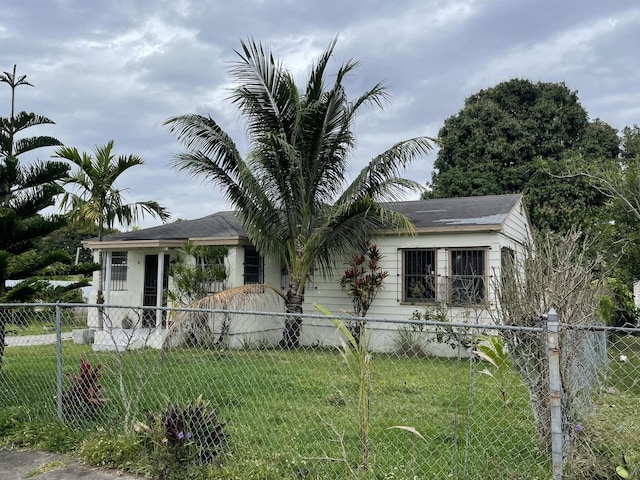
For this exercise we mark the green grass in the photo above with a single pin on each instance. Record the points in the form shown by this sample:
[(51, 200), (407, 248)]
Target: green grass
[(38, 322), (285, 412)]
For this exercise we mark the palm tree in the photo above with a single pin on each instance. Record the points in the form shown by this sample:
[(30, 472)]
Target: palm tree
[(290, 190), (95, 202)]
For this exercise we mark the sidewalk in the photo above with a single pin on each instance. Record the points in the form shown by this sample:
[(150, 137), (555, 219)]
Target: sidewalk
[(20, 464)]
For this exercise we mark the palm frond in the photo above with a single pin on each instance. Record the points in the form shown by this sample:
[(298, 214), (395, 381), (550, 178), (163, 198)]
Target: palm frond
[(203, 136), (344, 227), (267, 94), (380, 179), (315, 85)]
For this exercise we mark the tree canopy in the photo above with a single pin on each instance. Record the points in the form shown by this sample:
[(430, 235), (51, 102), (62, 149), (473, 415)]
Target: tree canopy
[(520, 137), (25, 191), (290, 190)]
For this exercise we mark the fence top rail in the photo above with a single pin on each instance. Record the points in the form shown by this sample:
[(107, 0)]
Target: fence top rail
[(316, 316), (600, 328)]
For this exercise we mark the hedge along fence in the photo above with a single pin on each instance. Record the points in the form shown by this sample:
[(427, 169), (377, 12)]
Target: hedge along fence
[(443, 400)]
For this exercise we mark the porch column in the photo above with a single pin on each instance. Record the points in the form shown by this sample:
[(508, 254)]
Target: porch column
[(159, 291), (106, 259)]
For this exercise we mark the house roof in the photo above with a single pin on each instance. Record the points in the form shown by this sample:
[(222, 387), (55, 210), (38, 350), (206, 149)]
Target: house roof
[(437, 215), (218, 228), (447, 214)]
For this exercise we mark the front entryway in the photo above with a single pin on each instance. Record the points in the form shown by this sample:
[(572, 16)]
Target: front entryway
[(150, 295)]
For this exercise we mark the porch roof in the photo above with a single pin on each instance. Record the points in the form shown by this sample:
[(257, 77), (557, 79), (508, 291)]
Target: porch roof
[(220, 228)]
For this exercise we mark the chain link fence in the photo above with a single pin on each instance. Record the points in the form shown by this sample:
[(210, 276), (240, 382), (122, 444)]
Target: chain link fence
[(409, 400)]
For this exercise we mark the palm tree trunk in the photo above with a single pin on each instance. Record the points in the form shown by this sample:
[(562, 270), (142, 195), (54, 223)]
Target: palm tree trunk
[(100, 298), (293, 321)]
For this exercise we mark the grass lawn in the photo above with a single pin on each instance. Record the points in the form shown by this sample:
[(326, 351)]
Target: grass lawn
[(288, 413), (39, 321), (293, 414)]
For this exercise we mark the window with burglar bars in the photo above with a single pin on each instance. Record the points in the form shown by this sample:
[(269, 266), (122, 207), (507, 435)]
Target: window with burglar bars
[(253, 266), (419, 276), (118, 270), (468, 276)]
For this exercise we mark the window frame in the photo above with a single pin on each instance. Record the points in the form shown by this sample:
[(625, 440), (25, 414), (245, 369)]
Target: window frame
[(119, 270), (259, 266), (410, 273), (460, 284)]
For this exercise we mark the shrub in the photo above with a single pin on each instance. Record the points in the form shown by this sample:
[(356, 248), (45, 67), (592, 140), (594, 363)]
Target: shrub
[(411, 341), (84, 397), (184, 435)]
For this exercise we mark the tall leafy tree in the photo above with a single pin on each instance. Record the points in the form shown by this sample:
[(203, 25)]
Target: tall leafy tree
[(290, 190), (25, 191), (94, 202), (520, 137), (630, 142)]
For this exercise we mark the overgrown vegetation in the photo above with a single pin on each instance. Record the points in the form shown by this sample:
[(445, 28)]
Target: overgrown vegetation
[(355, 352), (556, 272), (180, 436)]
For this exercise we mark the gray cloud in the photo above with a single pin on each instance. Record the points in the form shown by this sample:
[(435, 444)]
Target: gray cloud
[(117, 69)]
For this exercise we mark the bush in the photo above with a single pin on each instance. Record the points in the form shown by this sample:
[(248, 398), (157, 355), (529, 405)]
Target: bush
[(184, 435), (84, 397), (411, 341)]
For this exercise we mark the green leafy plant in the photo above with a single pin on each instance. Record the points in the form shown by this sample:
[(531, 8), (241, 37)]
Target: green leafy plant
[(492, 349), (629, 468), (84, 397), (362, 281), (358, 359), (455, 337), (195, 271), (411, 341), (184, 435)]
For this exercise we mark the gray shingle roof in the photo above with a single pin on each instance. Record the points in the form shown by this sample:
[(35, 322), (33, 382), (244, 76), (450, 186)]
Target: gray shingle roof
[(437, 213), (221, 224), (458, 212)]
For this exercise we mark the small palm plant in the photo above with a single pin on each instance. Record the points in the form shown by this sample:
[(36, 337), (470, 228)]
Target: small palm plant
[(492, 349), (357, 357)]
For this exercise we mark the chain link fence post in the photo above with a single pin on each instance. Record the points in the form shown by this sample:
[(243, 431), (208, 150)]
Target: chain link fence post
[(59, 361), (555, 393)]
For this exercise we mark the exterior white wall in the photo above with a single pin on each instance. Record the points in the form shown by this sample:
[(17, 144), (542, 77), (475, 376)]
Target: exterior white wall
[(389, 303)]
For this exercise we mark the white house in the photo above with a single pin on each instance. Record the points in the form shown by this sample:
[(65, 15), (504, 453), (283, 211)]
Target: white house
[(459, 247)]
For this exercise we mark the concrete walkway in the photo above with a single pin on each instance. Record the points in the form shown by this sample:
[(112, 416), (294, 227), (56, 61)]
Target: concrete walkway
[(20, 464), (28, 340)]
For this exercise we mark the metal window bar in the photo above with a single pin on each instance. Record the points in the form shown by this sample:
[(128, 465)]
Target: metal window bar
[(119, 261), (210, 284), (468, 277), (419, 276)]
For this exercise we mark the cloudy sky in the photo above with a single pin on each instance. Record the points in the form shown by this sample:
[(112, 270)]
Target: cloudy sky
[(117, 69)]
